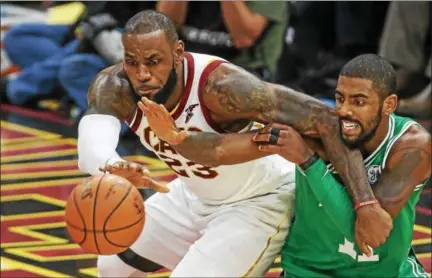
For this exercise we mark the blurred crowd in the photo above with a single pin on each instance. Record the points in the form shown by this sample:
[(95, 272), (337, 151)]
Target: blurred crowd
[(302, 44)]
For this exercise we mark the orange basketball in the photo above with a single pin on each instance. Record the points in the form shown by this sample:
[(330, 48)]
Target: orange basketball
[(105, 214)]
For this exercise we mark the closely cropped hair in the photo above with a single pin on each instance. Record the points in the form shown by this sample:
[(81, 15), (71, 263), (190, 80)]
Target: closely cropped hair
[(149, 21), (374, 68)]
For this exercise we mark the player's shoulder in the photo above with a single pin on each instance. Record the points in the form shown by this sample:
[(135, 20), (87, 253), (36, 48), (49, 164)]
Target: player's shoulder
[(415, 136), (206, 65), (112, 79), (111, 93), (204, 58), (415, 144)]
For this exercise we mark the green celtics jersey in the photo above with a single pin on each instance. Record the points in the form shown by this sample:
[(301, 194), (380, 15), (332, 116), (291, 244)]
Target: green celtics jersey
[(316, 247)]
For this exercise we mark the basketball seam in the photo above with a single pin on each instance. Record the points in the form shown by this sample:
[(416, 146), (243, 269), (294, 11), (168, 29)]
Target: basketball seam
[(94, 214), (101, 231), (106, 220), (82, 218)]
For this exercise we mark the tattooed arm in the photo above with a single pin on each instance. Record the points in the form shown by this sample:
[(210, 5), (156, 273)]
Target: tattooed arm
[(408, 166), (111, 100), (232, 93), (99, 129), (205, 148), (109, 94), (219, 149)]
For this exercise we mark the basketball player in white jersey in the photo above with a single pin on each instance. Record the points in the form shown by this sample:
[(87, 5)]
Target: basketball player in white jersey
[(229, 216)]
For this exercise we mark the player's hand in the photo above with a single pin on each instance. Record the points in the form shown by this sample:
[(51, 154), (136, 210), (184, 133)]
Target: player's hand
[(373, 226), (136, 174), (161, 122), (286, 142)]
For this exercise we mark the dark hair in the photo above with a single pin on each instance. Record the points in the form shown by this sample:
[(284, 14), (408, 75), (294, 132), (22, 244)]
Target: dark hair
[(149, 21), (374, 68)]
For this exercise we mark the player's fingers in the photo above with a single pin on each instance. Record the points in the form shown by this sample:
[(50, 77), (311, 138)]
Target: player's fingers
[(165, 114), (119, 165), (283, 141), (374, 243), (144, 171), (365, 249), (269, 148), (281, 126), (145, 101), (150, 183), (143, 107), (181, 136), (265, 129), (133, 167), (285, 134), (147, 105), (362, 245), (154, 107), (105, 168), (264, 138), (148, 110)]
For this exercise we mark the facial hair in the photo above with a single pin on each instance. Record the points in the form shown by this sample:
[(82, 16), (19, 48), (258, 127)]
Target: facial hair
[(363, 137), (165, 92)]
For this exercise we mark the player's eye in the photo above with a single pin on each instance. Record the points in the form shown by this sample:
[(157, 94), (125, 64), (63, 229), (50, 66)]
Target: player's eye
[(360, 102), (153, 62), (131, 62)]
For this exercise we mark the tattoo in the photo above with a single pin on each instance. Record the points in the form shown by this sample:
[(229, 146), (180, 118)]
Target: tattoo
[(239, 94), (396, 184), (201, 148), (111, 95)]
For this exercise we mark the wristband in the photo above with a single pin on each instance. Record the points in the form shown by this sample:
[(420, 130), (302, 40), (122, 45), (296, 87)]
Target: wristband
[(309, 162), (366, 203)]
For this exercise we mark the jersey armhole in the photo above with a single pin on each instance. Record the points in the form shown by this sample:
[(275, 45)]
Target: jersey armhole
[(393, 141), (203, 78)]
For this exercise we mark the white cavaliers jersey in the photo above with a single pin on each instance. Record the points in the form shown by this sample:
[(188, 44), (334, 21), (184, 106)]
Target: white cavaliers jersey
[(213, 185)]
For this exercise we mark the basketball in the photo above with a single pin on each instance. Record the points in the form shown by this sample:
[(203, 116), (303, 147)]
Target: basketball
[(105, 214)]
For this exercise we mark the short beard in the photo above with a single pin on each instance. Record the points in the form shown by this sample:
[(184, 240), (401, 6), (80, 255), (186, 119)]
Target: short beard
[(364, 138), (166, 91)]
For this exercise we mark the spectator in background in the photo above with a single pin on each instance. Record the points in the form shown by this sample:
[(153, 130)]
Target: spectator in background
[(57, 57), (406, 43), (247, 33), (327, 35), (38, 48), (100, 46)]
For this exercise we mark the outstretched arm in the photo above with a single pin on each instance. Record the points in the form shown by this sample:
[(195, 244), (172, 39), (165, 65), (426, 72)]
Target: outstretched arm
[(235, 94), (205, 148), (110, 101)]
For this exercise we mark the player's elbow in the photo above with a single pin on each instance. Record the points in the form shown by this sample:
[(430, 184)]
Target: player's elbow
[(215, 159), (219, 156)]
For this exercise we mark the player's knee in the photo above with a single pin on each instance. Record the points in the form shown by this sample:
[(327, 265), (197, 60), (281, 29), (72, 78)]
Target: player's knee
[(112, 266)]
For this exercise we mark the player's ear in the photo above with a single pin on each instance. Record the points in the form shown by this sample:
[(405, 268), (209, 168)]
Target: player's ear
[(178, 51), (390, 104)]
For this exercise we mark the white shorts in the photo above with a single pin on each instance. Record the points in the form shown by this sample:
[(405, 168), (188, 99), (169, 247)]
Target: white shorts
[(198, 240)]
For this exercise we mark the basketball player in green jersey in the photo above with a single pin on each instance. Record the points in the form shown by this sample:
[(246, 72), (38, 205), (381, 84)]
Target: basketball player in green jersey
[(397, 153)]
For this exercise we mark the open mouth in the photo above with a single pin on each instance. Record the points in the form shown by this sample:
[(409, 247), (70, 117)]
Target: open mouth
[(349, 127)]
